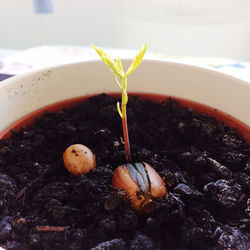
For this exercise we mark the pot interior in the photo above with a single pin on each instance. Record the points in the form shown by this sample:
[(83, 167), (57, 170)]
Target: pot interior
[(27, 120)]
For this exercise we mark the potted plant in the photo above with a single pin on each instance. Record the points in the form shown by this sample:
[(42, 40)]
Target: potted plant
[(201, 164)]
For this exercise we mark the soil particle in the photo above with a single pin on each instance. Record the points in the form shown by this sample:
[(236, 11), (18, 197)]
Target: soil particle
[(143, 242), (224, 193), (247, 167), (66, 128), (114, 199), (234, 159), (169, 210), (188, 192), (193, 162), (12, 245), (233, 238), (205, 178), (196, 236), (245, 225), (244, 180), (108, 225), (5, 227), (8, 189), (173, 178), (204, 164), (218, 168), (128, 221), (247, 211), (231, 140), (115, 244)]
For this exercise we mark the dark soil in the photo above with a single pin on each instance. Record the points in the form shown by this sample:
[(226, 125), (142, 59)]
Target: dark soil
[(205, 165)]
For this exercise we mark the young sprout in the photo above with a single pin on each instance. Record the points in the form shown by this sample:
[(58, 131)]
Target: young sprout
[(139, 180), (117, 69)]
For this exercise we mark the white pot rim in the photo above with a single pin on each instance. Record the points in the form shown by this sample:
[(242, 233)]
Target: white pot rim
[(126, 60), (23, 94)]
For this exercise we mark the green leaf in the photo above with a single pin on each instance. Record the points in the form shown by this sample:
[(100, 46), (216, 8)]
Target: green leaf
[(108, 61), (137, 60), (119, 64)]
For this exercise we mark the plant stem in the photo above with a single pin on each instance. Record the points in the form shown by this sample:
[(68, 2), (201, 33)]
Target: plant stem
[(124, 120), (126, 139)]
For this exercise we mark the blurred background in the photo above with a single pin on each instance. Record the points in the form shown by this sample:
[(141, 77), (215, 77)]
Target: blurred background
[(172, 28)]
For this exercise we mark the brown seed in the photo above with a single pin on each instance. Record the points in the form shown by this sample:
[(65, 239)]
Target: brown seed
[(79, 159), (123, 180), (157, 185), (140, 201)]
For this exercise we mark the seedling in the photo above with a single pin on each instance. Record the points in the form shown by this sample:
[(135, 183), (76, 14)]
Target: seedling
[(117, 69), (139, 180)]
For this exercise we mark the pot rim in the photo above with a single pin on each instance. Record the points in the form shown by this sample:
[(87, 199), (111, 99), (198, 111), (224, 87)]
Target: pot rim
[(171, 83), (126, 60)]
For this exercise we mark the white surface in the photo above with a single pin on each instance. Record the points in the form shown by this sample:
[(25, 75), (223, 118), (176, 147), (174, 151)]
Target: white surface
[(4, 53), (23, 94), (215, 28)]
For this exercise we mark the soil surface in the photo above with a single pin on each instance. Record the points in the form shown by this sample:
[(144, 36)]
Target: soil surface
[(205, 165)]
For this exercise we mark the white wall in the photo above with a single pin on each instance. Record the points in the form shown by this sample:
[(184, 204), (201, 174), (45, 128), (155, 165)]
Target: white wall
[(190, 27), (73, 22), (218, 28)]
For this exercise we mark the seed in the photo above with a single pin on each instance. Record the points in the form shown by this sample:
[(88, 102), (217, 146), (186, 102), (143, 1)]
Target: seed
[(141, 183), (79, 159)]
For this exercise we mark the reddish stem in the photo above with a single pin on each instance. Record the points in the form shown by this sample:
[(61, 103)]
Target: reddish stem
[(126, 138)]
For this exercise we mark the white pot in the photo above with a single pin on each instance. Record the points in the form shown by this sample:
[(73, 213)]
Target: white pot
[(24, 94)]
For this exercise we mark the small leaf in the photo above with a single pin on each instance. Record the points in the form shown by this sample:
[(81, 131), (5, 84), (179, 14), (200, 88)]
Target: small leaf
[(108, 61), (137, 60), (102, 53), (119, 109), (119, 64), (112, 66)]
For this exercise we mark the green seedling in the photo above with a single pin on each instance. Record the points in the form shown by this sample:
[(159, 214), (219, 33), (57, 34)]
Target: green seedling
[(121, 79)]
